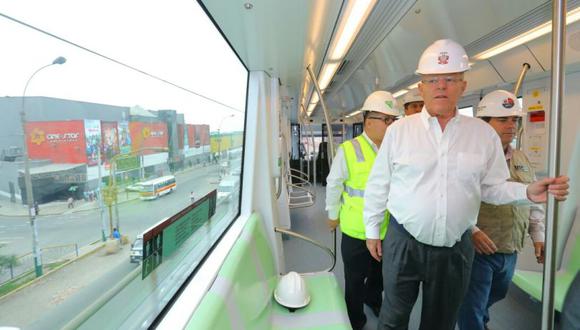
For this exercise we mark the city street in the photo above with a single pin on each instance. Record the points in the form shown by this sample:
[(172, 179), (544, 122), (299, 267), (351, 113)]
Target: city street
[(58, 297), (84, 227)]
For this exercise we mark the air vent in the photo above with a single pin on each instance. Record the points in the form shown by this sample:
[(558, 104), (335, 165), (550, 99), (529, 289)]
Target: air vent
[(342, 66)]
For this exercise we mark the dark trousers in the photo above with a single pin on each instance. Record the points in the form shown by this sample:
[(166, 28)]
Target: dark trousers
[(491, 276), (362, 279), (444, 273)]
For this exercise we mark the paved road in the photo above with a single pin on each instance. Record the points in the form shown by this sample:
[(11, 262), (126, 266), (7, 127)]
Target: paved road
[(85, 227), (57, 298)]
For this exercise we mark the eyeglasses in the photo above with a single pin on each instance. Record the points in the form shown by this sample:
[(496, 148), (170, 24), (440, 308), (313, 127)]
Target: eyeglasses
[(387, 119), (435, 80)]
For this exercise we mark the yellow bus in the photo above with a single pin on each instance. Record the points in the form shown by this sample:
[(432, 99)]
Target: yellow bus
[(152, 189)]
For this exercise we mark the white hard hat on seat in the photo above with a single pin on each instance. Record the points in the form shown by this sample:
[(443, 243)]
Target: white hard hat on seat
[(443, 56), (383, 102), (499, 103), (291, 291), (412, 96)]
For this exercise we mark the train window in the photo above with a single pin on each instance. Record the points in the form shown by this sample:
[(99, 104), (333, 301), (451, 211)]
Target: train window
[(116, 136)]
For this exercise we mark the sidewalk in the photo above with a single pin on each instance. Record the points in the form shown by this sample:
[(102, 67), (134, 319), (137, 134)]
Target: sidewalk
[(51, 299), (9, 209)]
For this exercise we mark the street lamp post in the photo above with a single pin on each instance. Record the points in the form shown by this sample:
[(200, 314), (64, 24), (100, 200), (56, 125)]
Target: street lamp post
[(220, 142), (27, 179)]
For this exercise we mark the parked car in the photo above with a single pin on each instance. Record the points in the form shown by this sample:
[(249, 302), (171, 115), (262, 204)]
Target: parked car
[(136, 254)]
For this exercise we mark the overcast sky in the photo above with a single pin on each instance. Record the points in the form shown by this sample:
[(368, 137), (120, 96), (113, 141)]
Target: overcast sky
[(173, 40)]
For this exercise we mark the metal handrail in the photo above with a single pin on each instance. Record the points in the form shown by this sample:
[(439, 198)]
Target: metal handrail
[(310, 240), (525, 68)]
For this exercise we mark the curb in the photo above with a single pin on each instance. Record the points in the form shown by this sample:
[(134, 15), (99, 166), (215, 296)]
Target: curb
[(65, 212), (34, 281)]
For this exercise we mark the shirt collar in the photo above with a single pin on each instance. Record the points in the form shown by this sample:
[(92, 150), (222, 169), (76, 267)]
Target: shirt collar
[(427, 119), (509, 152), (373, 145)]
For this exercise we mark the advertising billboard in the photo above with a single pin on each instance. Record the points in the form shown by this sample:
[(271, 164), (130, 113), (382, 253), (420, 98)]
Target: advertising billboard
[(61, 142), (93, 141), (191, 136), (124, 137), (203, 134), (148, 135), (110, 140)]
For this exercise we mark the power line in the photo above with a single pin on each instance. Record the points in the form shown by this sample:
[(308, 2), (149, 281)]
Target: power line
[(118, 62)]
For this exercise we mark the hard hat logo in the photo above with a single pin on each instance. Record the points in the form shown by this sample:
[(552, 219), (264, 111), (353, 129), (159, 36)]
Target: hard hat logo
[(443, 58), (389, 104), (508, 103)]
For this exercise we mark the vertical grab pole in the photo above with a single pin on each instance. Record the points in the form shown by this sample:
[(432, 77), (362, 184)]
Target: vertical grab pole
[(326, 116), (525, 68), (556, 95), (330, 142)]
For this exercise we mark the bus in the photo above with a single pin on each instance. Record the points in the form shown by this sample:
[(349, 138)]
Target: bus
[(155, 188)]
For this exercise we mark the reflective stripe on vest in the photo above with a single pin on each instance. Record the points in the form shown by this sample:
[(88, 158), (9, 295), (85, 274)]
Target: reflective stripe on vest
[(358, 151), (360, 157), (352, 192)]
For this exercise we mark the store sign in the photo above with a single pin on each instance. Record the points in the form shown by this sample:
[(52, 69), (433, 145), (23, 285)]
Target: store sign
[(59, 141)]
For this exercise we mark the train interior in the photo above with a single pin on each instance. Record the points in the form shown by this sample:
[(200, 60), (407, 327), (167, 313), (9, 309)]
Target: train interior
[(276, 222)]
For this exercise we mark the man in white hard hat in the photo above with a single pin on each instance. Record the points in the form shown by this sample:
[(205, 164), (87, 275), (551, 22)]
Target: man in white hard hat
[(432, 172), (413, 102), (344, 203), (501, 230)]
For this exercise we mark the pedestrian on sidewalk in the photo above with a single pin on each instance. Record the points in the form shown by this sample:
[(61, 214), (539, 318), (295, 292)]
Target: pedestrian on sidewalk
[(116, 234), (36, 208), (70, 203), (192, 197)]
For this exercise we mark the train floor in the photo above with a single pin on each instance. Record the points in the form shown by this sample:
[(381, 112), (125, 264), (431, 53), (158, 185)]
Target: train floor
[(517, 311)]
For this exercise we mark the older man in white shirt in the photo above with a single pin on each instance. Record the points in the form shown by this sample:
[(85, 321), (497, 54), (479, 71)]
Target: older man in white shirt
[(432, 172)]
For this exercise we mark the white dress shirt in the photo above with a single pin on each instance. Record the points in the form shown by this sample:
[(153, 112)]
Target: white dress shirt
[(335, 180), (433, 181)]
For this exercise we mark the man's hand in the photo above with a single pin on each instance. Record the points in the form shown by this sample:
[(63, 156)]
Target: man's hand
[(556, 186), (332, 224), (374, 246), (482, 243), (539, 252)]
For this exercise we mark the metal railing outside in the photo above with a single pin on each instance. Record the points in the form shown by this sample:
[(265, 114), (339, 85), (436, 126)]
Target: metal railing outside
[(25, 263)]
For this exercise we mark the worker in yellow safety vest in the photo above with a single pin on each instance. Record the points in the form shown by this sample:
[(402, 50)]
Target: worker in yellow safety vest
[(344, 203)]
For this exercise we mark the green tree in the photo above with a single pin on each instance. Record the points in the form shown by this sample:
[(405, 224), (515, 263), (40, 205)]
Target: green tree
[(7, 260)]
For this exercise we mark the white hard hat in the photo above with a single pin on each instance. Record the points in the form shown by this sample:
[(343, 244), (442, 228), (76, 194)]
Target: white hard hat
[(412, 96), (291, 291), (383, 102), (443, 56), (499, 103)]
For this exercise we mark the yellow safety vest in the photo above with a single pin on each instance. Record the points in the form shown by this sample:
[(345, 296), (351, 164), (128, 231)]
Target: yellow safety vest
[(360, 157), (506, 225)]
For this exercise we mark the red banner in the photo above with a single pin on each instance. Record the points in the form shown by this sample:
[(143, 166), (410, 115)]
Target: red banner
[(203, 134), (60, 141), (152, 135), (191, 136)]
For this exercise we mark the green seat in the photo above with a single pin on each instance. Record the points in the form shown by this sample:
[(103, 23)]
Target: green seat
[(531, 281), (241, 296)]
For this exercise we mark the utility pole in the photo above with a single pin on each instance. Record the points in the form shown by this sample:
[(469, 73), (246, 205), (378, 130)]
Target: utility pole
[(100, 197)]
